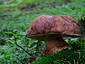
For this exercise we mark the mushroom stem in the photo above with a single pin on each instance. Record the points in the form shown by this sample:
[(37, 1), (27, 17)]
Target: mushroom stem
[(55, 43)]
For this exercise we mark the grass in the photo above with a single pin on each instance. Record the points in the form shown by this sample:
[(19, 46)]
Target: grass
[(16, 18)]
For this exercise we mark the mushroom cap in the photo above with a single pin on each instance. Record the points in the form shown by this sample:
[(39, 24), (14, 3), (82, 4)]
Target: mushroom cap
[(45, 24)]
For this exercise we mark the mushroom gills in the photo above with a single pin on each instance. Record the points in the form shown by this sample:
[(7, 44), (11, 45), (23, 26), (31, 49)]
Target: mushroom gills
[(55, 43)]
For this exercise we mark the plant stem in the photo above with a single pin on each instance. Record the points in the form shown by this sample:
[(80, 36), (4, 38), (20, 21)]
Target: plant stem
[(21, 47)]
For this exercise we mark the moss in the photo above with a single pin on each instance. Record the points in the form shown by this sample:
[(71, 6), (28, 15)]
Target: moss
[(76, 54)]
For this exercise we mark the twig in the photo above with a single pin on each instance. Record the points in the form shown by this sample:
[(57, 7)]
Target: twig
[(74, 61), (79, 56), (21, 47), (69, 62)]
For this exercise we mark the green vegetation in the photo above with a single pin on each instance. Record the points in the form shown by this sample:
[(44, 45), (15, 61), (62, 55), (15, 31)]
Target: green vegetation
[(15, 18), (73, 56)]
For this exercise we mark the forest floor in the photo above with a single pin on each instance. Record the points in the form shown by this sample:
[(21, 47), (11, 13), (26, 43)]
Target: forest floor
[(15, 18)]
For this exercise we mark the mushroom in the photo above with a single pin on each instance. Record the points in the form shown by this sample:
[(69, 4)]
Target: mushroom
[(52, 29)]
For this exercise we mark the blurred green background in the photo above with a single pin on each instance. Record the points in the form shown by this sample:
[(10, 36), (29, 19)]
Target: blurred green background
[(15, 18)]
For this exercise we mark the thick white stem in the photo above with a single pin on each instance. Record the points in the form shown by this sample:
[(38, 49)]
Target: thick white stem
[(54, 43)]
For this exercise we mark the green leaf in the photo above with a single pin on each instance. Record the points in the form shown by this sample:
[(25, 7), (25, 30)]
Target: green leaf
[(29, 44)]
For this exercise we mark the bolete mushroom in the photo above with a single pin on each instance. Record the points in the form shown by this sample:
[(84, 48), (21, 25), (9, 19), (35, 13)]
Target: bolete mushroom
[(51, 29)]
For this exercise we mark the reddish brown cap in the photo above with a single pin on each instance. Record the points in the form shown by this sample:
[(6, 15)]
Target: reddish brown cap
[(46, 24)]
